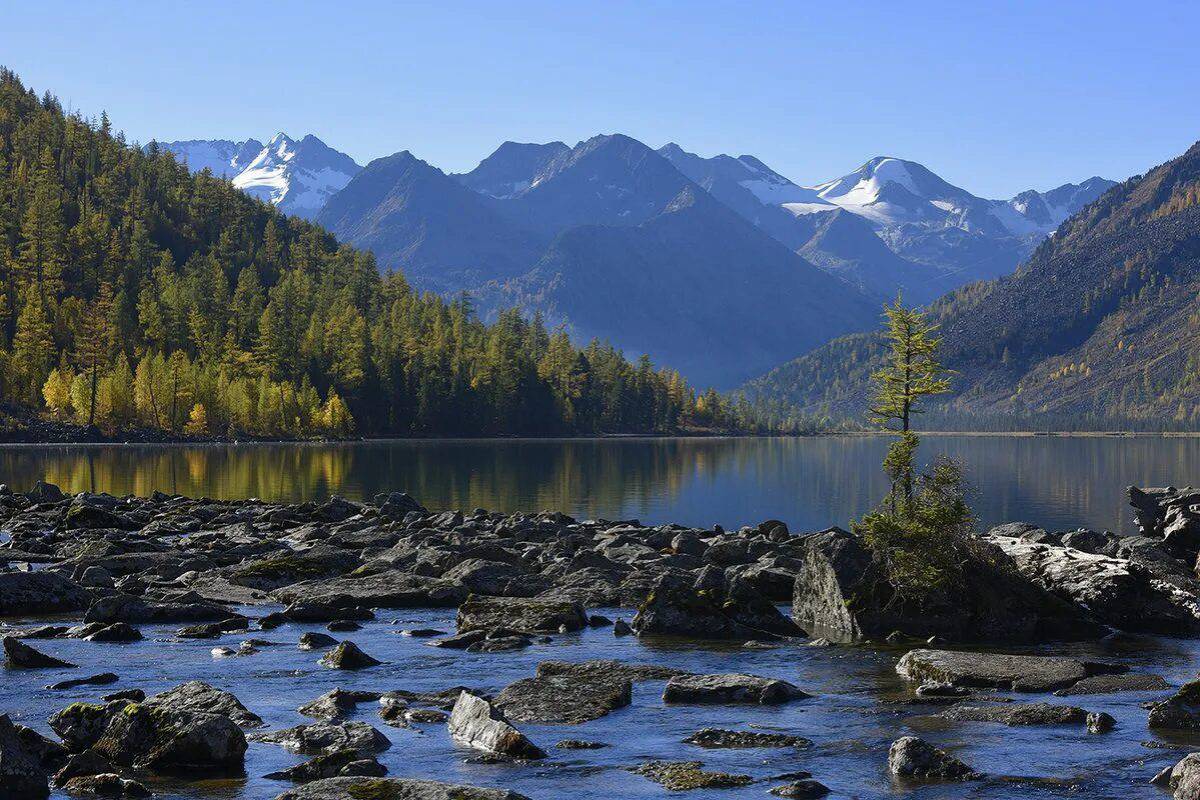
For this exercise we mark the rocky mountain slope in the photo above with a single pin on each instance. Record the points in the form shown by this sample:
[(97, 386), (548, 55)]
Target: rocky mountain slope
[(1102, 321)]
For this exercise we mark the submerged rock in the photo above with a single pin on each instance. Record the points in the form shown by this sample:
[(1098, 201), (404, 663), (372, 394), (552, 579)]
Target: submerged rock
[(106, 784), (1017, 714), (393, 789), (916, 759), (718, 738), (608, 669), (682, 775), (336, 704), (562, 699), (476, 723), (730, 688), (341, 763)]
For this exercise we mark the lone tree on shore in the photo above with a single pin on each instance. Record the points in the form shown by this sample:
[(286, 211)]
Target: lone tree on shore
[(923, 515)]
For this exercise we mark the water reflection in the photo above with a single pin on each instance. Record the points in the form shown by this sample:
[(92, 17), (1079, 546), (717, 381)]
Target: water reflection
[(810, 483)]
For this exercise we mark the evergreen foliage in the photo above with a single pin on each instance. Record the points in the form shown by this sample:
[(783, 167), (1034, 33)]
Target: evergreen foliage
[(136, 295)]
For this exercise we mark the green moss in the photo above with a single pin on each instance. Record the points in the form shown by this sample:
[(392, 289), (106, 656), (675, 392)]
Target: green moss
[(378, 789), (283, 567)]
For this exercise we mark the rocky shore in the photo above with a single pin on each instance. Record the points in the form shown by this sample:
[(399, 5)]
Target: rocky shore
[(99, 570)]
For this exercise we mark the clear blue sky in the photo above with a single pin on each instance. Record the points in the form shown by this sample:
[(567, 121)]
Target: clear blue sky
[(995, 97)]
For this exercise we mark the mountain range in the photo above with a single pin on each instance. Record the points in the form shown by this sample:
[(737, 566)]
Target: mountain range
[(720, 267), (1101, 323)]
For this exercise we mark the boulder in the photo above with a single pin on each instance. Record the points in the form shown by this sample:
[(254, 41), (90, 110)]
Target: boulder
[(315, 641), (677, 607), (80, 725), (172, 741), (843, 591), (476, 723), (18, 655), (1119, 592), (1180, 711), (806, 789), (562, 699), (341, 763), (996, 670), (201, 697), (915, 759), (88, 762), (101, 679), (347, 655), (327, 737), (730, 688), (36, 593), (126, 608), (528, 615), (116, 632), (1183, 779), (336, 704), (107, 784), (392, 789), (21, 775)]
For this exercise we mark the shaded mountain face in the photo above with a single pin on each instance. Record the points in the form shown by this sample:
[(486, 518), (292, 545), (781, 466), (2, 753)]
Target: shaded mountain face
[(1103, 320), (413, 216), (609, 239), (297, 177), (511, 169)]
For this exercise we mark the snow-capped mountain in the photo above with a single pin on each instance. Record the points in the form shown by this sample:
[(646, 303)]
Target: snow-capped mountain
[(298, 177)]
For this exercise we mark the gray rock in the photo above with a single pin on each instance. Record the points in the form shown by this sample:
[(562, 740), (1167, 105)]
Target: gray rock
[(1000, 671), (125, 608), (21, 776), (116, 632), (915, 759), (392, 789), (387, 589), (107, 784), (730, 688), (18, 655), (476, 723), (1100, 722), (347, 655), (1017, 714), (1112, 684), (328, 737), (1180, 711), (342, 763), (528, 615), (32, 593), (1183, 779), (562, 699), (201, 697), (88, 762), (80, 725), (102, 679), (336, 704), (804, 789), (316, 641), (676, 608), (608, 670)]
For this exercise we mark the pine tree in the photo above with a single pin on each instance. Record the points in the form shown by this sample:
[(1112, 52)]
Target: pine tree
[(33, 347), (93, 344)]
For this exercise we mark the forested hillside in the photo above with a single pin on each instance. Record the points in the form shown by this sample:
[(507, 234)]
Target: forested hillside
[(134, 295), (1101, 327)]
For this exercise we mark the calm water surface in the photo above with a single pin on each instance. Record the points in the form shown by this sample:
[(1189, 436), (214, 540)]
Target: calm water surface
[(857, 709), (1057, 482)]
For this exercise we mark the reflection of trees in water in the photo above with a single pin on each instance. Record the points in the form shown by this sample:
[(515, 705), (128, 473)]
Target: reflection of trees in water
[(810, 483)]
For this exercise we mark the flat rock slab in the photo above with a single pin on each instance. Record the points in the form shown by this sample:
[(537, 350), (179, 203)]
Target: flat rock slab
[(730, 688), (562, 699), (1112, 684), (40, 593), (608, 669), (520, 614), (1018, 714), (999, 671), (393, 789), (681, 775)]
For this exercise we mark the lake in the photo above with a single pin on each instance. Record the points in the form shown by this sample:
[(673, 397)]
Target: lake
[(1058, 482)]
